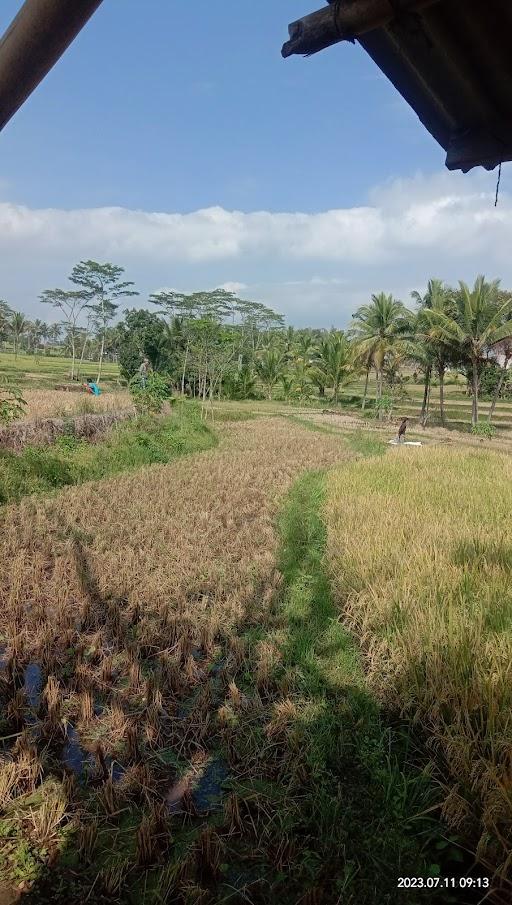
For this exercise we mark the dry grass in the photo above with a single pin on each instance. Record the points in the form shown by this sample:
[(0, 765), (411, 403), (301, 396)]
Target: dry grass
[(58, 403), (420, 550), (192, 540), (130, 593)]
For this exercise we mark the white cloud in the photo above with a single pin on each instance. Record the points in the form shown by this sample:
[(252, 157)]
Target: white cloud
[(233, 286), (310, 265)]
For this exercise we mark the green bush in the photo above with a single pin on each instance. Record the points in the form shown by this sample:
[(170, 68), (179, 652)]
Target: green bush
[(12, 403), (484, 430), (149, 394)]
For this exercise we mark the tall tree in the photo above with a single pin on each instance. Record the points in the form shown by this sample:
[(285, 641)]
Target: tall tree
[(19, 326), (5, 319), (102, 284), (377, 328), (480, 319), (270, 368), (436, 348), (503, 350), (335, 361), (71, 304)]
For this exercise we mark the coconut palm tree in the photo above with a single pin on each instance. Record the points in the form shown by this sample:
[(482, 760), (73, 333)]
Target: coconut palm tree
[(269, 368), (480, 319), (435, 348), (504, 350), (19, 326), (377, 328), (334, 364), (5, 318)]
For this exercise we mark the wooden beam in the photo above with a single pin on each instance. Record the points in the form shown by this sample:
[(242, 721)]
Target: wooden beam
[(35, 40), (344, 21)]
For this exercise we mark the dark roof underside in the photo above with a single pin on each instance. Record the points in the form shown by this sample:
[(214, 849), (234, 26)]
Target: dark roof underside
[(450, 59), (452, 62)]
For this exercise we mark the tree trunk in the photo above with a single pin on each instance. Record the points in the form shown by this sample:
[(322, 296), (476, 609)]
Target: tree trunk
[(380, 375), (73, 356), (426, 393), (365, 388), (82, 356), (497, 391), (184, 369), (474, 401), (441, 394), (102, 350)]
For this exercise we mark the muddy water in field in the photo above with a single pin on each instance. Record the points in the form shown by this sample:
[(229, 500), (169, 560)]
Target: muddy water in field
[(204, 785), (81, 762), (33, 684)]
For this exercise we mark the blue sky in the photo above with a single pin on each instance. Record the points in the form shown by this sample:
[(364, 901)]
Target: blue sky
[(170, 107)]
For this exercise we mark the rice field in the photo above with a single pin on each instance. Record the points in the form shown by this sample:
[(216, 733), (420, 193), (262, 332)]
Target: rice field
[(47, 370), (142, 669), (420, 555), (274, 670), (50, 403)]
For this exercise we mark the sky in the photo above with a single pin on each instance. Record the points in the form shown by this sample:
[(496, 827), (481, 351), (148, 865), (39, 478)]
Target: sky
[(172, 139)]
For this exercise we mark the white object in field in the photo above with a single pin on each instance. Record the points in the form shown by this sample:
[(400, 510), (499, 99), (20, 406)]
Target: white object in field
[(405, 443)]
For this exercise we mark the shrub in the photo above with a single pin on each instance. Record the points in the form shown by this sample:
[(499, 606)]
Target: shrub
[(12, 404), (484, 430), (150, 394)]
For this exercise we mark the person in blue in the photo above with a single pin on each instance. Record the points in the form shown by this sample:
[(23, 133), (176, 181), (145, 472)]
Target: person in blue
[(92, 387)]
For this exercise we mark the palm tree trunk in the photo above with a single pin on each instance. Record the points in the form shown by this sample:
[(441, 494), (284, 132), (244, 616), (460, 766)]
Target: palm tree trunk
[(441, 393), (426, 394), (474, 401), (366, 388), (380, 375), (184, 369), (497, 391)]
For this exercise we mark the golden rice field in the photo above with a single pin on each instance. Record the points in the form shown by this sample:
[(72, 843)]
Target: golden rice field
[(184, 714), (420, 554), (59, 403)]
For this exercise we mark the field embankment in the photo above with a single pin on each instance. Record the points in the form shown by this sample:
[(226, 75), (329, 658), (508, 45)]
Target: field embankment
[(73, 460), (45, 431), (420, 553)]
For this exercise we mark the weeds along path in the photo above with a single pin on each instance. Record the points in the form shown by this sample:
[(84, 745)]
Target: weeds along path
[(130, 608)]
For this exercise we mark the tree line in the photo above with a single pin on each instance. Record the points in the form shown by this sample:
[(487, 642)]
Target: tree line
[(213, 344)]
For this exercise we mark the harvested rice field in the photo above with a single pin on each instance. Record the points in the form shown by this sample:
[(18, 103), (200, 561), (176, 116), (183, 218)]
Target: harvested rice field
[(49, 403), (186, 715)]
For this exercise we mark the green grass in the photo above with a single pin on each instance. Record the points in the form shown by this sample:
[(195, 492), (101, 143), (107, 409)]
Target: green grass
[(127, 447), (345, 798), (47, 370)]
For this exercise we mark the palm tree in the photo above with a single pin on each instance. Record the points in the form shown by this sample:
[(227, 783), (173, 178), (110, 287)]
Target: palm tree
[(334, 362), (19, 326), (377, 328), (504, 350), (436, 349), (5, 318), (480, 319), (54, 333), (269, 368)]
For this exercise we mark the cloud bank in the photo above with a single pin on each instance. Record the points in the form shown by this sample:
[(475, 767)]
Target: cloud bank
[(315, 267)]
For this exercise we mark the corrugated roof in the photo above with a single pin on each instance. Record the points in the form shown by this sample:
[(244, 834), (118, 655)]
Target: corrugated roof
[(452, 62)]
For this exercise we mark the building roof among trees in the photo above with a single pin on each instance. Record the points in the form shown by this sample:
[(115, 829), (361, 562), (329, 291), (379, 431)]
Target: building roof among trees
[(450, 59)]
